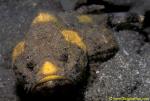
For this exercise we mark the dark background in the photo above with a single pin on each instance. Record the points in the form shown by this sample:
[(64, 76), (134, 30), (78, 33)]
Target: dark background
[(127, 74)]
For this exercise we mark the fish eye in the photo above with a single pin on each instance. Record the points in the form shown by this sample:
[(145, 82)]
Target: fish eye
[(28, 57), (30, 65), (64, 57)]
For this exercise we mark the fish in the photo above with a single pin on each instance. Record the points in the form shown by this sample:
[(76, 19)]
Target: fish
[(58, 47)]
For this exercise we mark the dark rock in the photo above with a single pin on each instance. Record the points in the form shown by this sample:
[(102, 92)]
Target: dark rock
[(145, 49), (123, 21), (129, 41), (123, 76), (140, 6), (134, 15), (147, 33), (69, 5), (7, 85)]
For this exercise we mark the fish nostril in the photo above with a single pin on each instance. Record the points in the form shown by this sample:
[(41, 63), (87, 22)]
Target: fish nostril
[(30, 65)]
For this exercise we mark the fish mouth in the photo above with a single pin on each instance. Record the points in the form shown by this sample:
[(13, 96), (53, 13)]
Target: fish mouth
[(50, 78)]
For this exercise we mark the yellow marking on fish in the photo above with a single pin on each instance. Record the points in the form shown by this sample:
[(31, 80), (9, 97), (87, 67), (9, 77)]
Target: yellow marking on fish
[(44, 18), (50, 78), (48, 68), (73, 37), (84, 19), (18, 50)]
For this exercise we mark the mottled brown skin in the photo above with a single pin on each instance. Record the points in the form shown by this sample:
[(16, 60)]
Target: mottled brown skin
[(44, 42), (97, 35)]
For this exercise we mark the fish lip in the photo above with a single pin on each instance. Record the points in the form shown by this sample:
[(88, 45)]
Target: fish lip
[(49, 78)]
